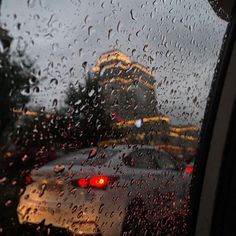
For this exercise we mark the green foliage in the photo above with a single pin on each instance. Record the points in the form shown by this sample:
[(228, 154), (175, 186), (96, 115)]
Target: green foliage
[(15, 84), (86, 120)]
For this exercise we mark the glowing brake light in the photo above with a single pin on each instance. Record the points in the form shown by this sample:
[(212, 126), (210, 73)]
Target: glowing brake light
[(188, 169), (98, 181)]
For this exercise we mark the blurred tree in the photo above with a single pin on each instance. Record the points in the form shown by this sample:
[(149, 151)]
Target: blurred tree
[(83, 123), (15, 83)]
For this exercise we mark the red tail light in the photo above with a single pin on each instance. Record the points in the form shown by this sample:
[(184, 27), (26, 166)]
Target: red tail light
[(188, 169), (100, 181), (28, 180)]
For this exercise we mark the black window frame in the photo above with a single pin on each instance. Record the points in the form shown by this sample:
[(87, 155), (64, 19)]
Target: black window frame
[(209, 123)]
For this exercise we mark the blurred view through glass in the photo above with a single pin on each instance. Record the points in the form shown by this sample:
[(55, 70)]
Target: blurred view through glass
[(101, 106)]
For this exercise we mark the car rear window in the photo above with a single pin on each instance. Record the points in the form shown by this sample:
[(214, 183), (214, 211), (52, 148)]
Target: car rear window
[(164, 161), (88, 157)]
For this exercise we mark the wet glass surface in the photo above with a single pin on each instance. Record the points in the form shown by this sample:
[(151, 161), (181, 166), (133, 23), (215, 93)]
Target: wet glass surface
[(101, 105)]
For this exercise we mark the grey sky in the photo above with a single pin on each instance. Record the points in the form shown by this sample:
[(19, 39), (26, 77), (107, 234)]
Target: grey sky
[(183, 39)]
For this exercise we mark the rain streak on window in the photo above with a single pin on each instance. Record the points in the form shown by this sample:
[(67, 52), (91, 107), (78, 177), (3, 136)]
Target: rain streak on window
[(101, 105)]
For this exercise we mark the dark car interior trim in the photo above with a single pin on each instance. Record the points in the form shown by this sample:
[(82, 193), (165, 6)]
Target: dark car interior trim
[(212, 138), (224, 215)]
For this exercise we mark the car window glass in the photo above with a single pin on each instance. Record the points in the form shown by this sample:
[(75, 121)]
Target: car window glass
[(95, 96), (143, 159), (163, 160), (92, 156)]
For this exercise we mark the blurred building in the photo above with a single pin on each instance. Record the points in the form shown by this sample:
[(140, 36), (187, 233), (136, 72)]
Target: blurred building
[(129, 92), (129, 87)]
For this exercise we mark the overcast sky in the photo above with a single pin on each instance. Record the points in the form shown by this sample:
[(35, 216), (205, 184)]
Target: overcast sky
[(179, 39)]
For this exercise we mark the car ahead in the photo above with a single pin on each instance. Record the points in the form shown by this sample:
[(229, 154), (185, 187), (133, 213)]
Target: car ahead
[(106, 191)]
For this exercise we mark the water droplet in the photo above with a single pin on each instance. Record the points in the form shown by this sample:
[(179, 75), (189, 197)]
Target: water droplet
[(54, 103), (74, 209), (91, 93), (80, 215), (90, 30), (43, 188), (54, 80), (132, 15), (101, 208), (36, 89), (2, 180), (84, 64), (109, 33), (58, 168), (8, 203), (92, 153)]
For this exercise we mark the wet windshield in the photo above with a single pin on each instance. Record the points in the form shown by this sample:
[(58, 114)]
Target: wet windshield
[(84, 83)]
